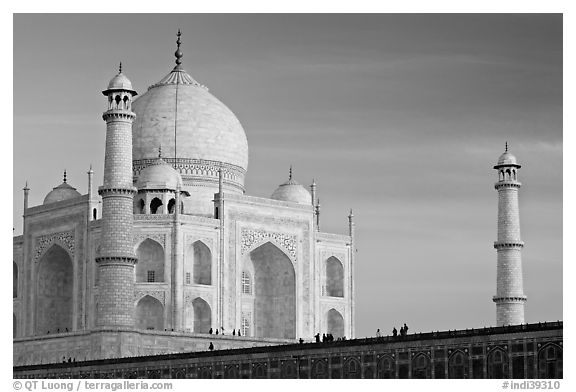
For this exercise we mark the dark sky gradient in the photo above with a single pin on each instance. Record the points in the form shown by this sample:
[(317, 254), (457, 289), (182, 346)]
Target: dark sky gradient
[(400, 117)]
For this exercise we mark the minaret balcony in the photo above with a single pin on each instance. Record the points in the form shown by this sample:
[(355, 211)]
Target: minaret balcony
[(508, 244)]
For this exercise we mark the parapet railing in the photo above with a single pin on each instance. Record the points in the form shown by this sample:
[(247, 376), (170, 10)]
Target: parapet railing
[(462, 333)]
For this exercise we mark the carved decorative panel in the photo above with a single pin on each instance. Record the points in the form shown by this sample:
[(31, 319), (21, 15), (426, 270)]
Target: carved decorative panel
[(64, 239)]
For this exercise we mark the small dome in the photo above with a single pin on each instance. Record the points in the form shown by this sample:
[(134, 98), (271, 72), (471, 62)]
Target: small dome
[(61, 192), (159, 175), (507, 159), (293, 192), (120, 82)]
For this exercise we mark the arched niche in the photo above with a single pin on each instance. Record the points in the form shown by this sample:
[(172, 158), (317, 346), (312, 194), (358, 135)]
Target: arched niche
[(550, 361), (200, 316), (335, 323), (150, 266), (458, 365), (149, 314), (421, 366), (198, 263), (386, 367), (334, 278), (274, 293), (54, 292), (156, 206), (497, 364)]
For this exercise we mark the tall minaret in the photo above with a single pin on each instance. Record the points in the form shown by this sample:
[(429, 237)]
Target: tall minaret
[(116, 259), (509, 296)]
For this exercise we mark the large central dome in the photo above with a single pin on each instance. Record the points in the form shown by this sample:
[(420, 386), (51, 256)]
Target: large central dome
[(188, 122), (199, 136)]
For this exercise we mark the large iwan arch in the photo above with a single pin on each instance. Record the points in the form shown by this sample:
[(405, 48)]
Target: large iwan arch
[(334, 278), (150, 266), (335, 323), (274, 293), (54, 291), (149, 314)]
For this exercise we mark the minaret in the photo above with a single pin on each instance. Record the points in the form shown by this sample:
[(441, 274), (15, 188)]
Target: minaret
[(352, 233), (509, 298), (26, 193), (116, 259)]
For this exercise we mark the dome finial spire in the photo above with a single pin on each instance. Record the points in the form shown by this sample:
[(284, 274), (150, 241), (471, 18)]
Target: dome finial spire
[(178, 52), (506, 147), (290, 175), (160, 151), (64, 175), (120, 68)]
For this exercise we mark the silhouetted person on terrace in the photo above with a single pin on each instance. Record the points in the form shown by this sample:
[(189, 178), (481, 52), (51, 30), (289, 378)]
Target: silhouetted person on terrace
[(301, 341), (378, 333), (402, 332), (210, 332), (323, 338), (239, 333), (211, 347), (233, 332), (405, 329), (216, 331), (317, 336), (394, 332)]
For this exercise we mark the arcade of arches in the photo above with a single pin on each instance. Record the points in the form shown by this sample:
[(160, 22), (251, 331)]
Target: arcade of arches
[(54, 290), (274, 293)]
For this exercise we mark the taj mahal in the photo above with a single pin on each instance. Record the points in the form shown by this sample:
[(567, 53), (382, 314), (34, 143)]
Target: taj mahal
[(170, 247), (170, 255)]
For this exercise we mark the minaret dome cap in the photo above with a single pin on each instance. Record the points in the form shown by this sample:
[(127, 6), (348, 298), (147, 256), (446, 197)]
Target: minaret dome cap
[(507, 159), (120, 83)]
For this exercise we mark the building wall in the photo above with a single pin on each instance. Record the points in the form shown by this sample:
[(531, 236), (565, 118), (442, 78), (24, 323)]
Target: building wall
[(172, 302), (523, 351)]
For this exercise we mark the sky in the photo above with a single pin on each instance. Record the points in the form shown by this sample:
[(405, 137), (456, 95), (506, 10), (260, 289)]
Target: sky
[(399, 117)]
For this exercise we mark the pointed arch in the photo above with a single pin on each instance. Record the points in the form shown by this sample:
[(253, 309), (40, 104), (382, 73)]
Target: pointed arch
[(421, 366), (274, 289), (156, 206), (140, 204), (149, 314), (334, 277), (386, 367), (550, 361), (199, 316), (352, 368), (335, 323), (54, 291), (497, 363), (150, 266), (458, 365), (200, 263), (320, 369), (171, 204)]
